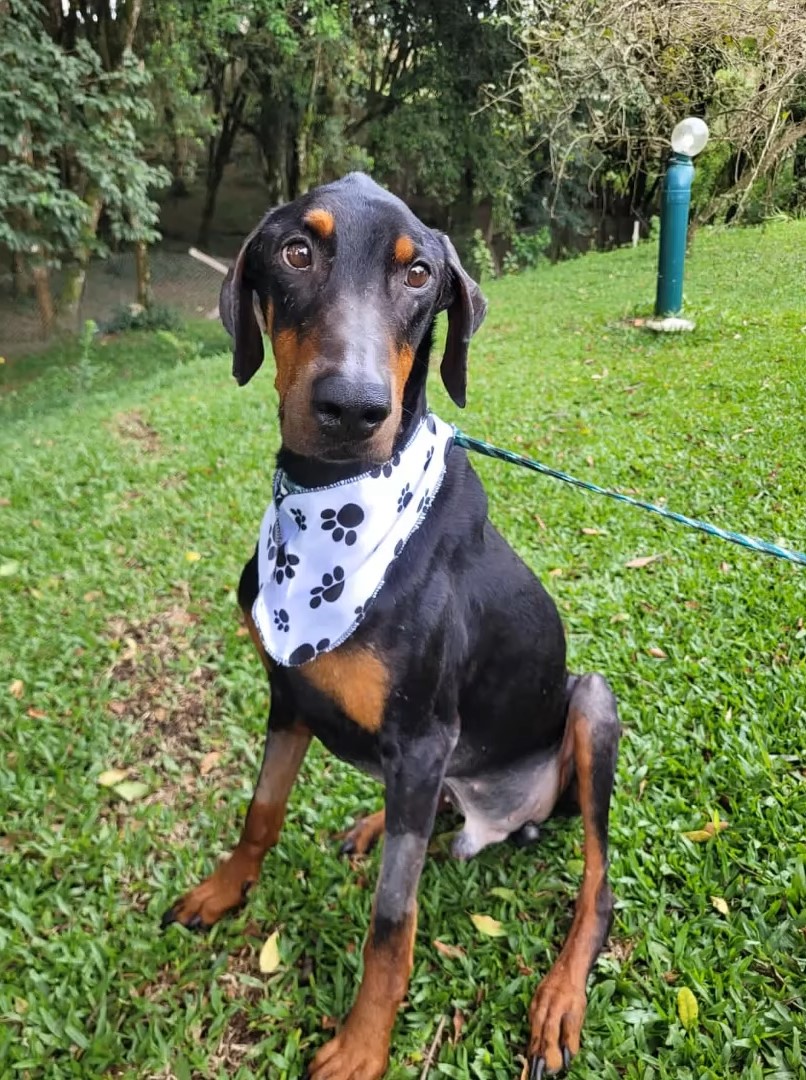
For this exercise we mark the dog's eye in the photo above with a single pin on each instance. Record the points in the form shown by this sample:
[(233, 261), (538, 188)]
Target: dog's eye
[(297, 255), (417, 276)]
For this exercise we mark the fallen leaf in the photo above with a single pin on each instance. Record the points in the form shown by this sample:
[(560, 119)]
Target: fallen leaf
[(192, 556), (112, 776), (622, 616), (487, 925), (329, 1023), (715, 826), (9, 569), (37, 714), (453, 952), (458, 1024), (89, 597), (242, 631), (687, 1008), (5, 502), (504, 893), (697, 836), (591, 532), (16, 688), (642, 561), (269, 959), (131, 790), (659, 654), (209, 762), (720, 904), (557, 572), (117, 707)]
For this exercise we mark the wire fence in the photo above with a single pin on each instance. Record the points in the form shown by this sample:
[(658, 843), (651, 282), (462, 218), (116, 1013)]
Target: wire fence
[(179, 282)]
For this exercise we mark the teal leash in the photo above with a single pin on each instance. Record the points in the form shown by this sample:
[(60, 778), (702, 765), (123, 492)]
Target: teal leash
[(751, 542)]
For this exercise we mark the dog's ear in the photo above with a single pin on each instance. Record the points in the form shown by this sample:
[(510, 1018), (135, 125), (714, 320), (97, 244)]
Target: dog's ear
[(466, 310), (237, 308)]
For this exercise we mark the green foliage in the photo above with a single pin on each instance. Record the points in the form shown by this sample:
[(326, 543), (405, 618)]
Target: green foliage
[(130, 657), (527, 250), (480, 259), (69, 135), (135, 317)]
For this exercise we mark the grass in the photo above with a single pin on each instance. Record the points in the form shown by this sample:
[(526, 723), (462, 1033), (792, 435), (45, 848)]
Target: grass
[(132, 482)]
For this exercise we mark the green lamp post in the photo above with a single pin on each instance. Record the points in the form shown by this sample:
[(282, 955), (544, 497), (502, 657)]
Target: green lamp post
[(688, 139)]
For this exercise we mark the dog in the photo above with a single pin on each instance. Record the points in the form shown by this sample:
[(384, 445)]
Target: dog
[(448, 680)]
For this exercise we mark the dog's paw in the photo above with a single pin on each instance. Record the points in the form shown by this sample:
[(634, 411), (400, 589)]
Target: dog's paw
[(225, 890), (350, 1056), (556, 1014)]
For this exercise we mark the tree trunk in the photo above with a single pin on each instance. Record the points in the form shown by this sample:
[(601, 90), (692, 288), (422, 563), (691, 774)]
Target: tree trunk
[(20, 284), (145, 297), (211, 185), (218, 155), (76, 277), (44, 299)]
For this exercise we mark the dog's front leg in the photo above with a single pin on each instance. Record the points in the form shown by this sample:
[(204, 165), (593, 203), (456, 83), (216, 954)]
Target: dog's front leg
[(414, 768)]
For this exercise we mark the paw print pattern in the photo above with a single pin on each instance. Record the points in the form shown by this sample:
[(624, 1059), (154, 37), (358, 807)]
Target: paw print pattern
[(303, 653), (360, 613), (425, 502), (331, 588), (404, 498), (428, 457), (431, 424), (342, 524), (281, 620), (386, 470), (399, 547), (274, 540), (285, 565), (299, 518)]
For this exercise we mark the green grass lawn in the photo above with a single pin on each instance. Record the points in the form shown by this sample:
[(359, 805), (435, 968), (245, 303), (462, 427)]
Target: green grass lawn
[(133, 479)]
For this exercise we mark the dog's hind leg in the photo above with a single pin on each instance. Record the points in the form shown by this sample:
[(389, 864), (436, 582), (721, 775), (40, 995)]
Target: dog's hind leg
[(227, 886), (558, 1007)]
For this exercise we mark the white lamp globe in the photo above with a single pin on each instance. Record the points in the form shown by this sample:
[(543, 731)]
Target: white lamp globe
[(690, 136)]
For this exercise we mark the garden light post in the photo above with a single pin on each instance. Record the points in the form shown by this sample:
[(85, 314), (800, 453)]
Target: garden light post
[(688, 139)]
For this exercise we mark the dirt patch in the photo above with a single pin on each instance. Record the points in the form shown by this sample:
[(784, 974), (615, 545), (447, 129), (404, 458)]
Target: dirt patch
[(131, 425), (170, 707)]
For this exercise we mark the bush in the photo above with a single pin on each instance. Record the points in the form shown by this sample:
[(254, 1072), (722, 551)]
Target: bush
[(135, 317)]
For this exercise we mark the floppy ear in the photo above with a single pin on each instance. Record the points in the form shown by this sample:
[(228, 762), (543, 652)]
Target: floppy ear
[(466, 310), (237, 308)]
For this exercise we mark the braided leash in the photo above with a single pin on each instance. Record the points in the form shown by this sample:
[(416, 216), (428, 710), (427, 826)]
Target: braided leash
[(751, 542)]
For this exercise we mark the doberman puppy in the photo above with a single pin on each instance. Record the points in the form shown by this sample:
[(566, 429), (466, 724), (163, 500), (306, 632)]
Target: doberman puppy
[(455, 684)]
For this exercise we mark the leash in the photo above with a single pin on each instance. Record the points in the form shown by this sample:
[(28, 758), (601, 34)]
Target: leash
[(751, 542)]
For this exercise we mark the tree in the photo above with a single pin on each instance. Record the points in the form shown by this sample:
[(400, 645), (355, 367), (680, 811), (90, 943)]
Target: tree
[(70, 152)]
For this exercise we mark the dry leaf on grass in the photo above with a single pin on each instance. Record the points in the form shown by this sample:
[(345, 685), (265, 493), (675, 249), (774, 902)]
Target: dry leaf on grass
[(131, 790), (451, 951), (720, 904), (642, 561), (16, 688), (659, 654), (488, 926), (112, 776), (209, 762), (269, 959), (192, 556)]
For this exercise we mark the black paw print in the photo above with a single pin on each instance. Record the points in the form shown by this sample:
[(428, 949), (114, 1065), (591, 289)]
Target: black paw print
[(431, 424), (399, 547), (342, 525), (428, 457), (425, 502), (281, 620), (386, 469), (274, 539), (360, 613), (303, 653), (285, 565), (299, 518), (404, 498), (331, 588)]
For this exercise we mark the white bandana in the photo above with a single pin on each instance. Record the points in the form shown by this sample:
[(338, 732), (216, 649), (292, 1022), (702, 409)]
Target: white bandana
[(323, 553)]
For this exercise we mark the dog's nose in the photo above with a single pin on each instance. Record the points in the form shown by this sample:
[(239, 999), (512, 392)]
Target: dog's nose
[(349, 409)]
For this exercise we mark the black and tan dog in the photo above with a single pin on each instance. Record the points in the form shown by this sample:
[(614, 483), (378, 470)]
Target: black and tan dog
[(455, 684)]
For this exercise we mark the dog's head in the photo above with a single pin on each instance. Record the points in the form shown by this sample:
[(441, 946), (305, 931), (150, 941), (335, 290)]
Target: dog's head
[(347, 281)]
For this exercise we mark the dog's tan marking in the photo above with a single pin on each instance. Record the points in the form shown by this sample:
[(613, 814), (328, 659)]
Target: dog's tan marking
[(355, 679), (321, 221), (404, 249)]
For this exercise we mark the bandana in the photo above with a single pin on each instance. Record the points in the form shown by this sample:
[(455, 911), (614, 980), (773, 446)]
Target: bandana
[(324, 553)]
